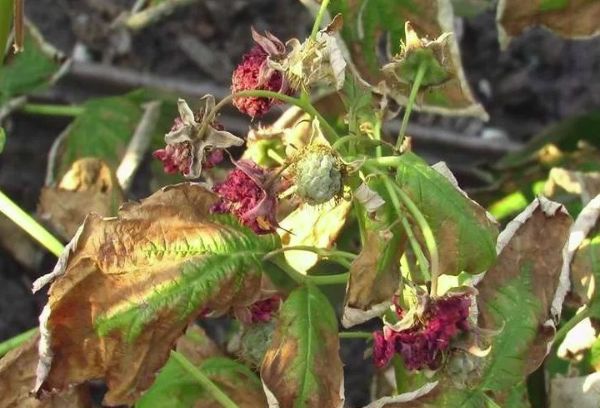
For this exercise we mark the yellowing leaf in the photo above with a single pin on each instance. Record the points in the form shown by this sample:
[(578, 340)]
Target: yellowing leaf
[(126, 288), (568, 18), (89, 186), (17, 378), (312, 225)]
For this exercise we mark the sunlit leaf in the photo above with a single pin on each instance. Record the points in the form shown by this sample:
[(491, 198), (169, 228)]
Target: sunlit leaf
[(370, 23), (17, 378), (464, 233), (126, 287), (568, 18), (302, 367), (311, 225)]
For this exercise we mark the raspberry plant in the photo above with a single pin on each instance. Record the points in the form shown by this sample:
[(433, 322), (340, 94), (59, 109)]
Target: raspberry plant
[(463, 312)]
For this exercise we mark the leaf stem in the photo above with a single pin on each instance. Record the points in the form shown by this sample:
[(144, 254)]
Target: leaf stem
[(411, 101), (52, 110), (572, 322), (318, 20), (328, 253), (301, 279), (6, 15), (29, 225), (305, 105), (204, 381), (356, 335), (14, 342)]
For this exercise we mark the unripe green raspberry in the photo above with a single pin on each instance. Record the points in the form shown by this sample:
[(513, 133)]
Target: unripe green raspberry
[(318, 176)]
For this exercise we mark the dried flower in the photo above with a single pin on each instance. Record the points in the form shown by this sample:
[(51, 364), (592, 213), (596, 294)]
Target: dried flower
[(314, 60), (260, 311), (189, 139), (254, 73), (246, 194), (423, 343)]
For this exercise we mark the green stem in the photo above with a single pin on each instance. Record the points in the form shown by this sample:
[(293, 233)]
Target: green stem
[(360, 139), (356, 335), (330, 133), (29, 225), (319, 19), (301, 279), (328, 253), (427, 236), (52, 110), (6, 15), (14, 342), (564, 329), (411, 101), (204, 381), (416, 247)]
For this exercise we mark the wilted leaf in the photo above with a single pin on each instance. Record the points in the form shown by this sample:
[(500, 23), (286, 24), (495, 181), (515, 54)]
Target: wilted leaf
[(302, 367), (367, 22), (568, 18), (584, 254), (465, 235), (17, 378), (583, 184), (313, 225), (175, 388), (577, 392), (126, 287), (31, 70), (89, 186), (522, 294), (375, 273), (401, 400)]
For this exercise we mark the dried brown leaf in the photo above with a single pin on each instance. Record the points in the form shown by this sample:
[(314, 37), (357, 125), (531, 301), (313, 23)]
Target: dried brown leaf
[(17, 378), (571, 19), (89, 186), (119, 298)]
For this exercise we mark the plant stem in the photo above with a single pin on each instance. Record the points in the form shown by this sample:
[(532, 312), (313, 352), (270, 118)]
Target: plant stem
[(273, 155), (19, 25), (562, 332), (427, 236), (356, 335), (150, 15), (29, 225), (328, 253), (319, 19), (411, 101), (301, 279), (6, 15), (416, 247), (14, 342), (52, 110), (305, 105), (204, 381)]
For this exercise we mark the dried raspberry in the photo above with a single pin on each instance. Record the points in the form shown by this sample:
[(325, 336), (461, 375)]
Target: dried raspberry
[(245, 195), (176, 158), (422, 344), (383, 348), (260, 311), (254, 73)]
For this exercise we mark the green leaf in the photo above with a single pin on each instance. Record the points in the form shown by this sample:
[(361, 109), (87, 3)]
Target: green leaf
[(465, 236), (175, 388), (302, 367), (102, 131), (31, 70), (127, 287)]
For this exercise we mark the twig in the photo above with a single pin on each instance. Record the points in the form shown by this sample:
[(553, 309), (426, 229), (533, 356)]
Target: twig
[(19, 25), (138, 145), (150, 15), (16, 341)]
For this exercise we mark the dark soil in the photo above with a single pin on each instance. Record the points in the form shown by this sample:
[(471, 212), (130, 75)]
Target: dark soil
[(538, 81)]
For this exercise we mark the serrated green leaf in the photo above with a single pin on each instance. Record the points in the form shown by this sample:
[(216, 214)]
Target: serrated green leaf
[(124, 293), (30, 70), (465, 236), (302, 367)]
